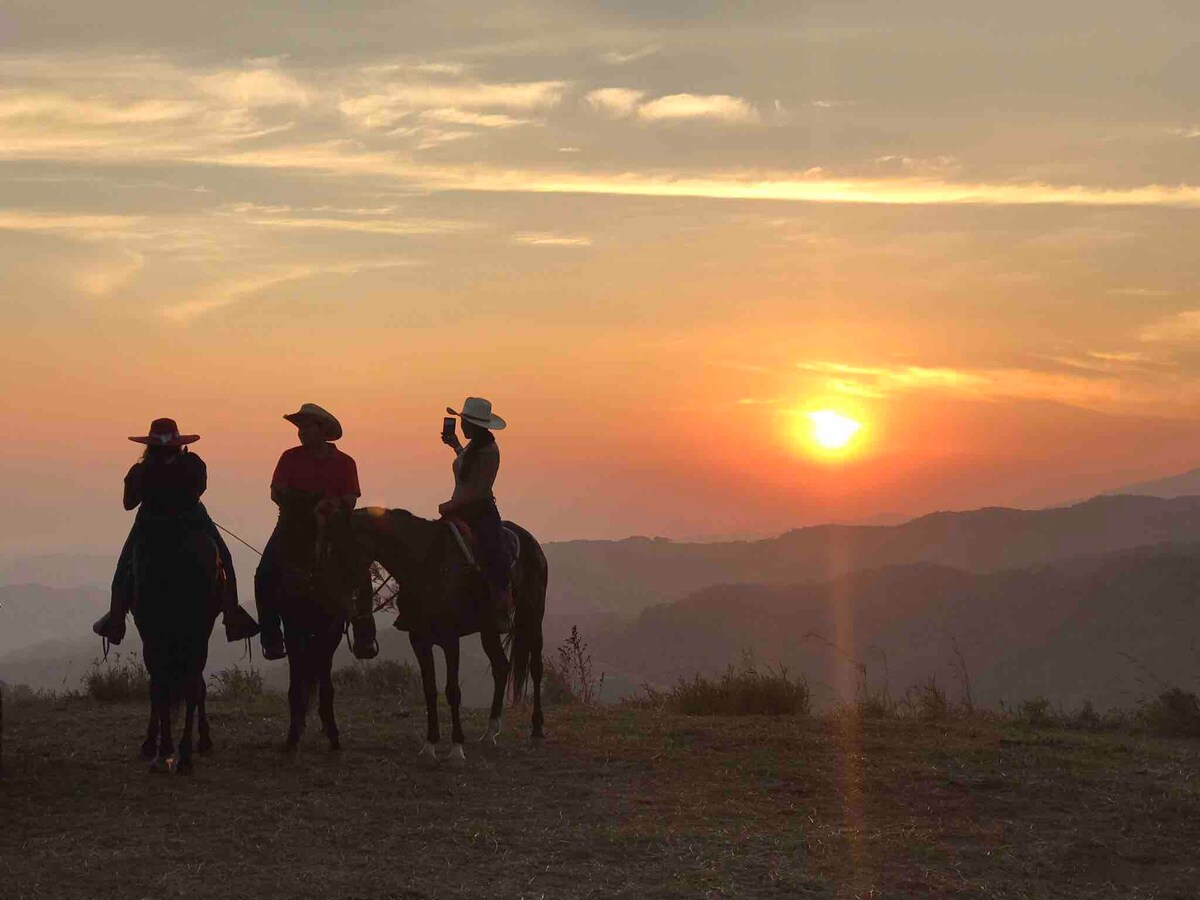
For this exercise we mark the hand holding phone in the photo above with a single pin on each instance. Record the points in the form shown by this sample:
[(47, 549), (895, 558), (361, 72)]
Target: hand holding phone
[(448, 435)]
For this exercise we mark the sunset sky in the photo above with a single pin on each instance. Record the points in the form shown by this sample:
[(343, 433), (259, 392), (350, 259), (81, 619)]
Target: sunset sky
[(657, 235)]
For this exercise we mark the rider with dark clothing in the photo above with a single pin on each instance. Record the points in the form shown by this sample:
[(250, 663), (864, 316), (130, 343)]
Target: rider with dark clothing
[(166, 485), (475, 470), (315, 467)]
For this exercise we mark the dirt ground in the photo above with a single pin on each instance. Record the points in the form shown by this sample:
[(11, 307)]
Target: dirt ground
[(617, 802)]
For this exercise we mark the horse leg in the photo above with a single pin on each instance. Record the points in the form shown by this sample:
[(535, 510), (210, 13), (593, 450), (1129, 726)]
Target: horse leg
[(500, 666), (325, 686), (205, 744), (151, 741), (423, 648), (191, 698), (297, 691), (454, 697), (535, 673), (166, 744)]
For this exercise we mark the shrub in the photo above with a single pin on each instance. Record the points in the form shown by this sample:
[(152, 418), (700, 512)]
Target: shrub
[(385, 677), (739, 692), (929, 701), (236, 683), (1173, 713), (1034, 713), (116, 679), (571, 678)]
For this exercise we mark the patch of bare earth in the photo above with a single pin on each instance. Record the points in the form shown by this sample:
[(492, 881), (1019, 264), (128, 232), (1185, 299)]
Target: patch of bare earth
[(618, 802)]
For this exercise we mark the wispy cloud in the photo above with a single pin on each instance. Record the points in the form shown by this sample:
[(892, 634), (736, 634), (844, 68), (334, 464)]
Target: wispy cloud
[(614, 101), (546, 239), (390, 103), (1094, 387), (713, 107), (1182, 327), (245, 287), (621, 58), (85, 227)]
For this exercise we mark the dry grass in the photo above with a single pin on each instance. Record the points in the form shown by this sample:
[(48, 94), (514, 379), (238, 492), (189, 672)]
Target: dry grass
[(619, 802)]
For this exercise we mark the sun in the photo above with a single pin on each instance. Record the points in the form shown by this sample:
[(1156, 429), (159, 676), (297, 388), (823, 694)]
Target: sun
[(832, 430)]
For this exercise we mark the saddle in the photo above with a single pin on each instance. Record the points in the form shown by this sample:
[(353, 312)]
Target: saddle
[(468, 545)]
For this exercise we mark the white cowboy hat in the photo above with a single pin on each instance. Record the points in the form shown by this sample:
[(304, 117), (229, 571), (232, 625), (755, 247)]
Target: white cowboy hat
[(479, 412), (333, 428)]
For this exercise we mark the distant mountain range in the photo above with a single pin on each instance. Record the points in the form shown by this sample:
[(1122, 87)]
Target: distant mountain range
[(1186, 484), (1036, 600), (1104, 628), (629, 575)]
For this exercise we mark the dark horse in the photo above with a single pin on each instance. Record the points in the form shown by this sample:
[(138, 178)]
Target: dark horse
[(443, 597), (177, 584), (314, 586)]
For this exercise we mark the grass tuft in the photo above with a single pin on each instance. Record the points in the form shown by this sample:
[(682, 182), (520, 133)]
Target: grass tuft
[(119, 678), (386, 677), (236, 683), (739, 692)]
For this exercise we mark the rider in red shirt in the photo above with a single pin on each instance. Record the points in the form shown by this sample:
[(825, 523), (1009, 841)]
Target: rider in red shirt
[(316, 467)]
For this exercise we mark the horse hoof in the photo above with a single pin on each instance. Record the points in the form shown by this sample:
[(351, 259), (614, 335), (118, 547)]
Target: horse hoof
[(184, 767), (335, 744), (537, 739), (147, 751), (159, 765), (457, 757), (204, 745), (428, 755)]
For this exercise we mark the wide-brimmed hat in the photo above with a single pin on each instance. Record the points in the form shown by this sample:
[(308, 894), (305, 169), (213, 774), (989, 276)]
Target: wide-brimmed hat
[(479, 411), (165, 433), (333, 428)]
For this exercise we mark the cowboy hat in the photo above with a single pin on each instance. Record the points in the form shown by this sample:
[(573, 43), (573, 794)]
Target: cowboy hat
[(479, 411), (165, 433), (333, 428)]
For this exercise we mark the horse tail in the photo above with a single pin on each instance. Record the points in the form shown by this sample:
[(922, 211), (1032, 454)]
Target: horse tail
[(529, 593)]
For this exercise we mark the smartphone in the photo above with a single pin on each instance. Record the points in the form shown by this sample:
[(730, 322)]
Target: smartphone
[(448, 423)]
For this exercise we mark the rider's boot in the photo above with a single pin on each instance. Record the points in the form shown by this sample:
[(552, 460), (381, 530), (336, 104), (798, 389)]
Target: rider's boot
[(502, 609), (111, 625)]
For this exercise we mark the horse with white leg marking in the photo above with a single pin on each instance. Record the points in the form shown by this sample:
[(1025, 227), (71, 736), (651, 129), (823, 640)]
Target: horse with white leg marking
[(443, 598)]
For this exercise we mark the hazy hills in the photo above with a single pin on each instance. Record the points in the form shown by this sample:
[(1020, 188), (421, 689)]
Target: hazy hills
[(627, 576), (1072, 632), (1037, 601)]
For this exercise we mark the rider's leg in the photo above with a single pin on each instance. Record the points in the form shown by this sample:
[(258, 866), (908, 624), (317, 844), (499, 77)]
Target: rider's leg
[(494, 559), (112, 624), (266, 599)]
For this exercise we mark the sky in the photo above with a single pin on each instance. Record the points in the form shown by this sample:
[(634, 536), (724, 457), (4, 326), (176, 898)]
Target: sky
[(656, 235)]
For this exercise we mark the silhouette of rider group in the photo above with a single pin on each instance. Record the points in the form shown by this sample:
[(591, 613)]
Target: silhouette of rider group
[(165, 486)]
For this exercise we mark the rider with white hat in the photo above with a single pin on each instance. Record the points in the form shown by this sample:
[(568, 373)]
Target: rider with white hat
[(473, 501)]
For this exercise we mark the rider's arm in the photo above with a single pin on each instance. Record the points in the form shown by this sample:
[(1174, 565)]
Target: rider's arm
[(133, 486)]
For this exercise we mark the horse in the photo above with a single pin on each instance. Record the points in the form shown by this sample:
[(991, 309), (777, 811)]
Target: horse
[(312, 598), (177, 579), (443, 598)]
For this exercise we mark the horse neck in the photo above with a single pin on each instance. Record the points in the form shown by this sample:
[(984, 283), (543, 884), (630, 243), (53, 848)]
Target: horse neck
[(406, 542)]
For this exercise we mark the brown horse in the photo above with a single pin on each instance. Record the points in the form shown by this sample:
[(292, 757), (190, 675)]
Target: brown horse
[(444, 597)]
